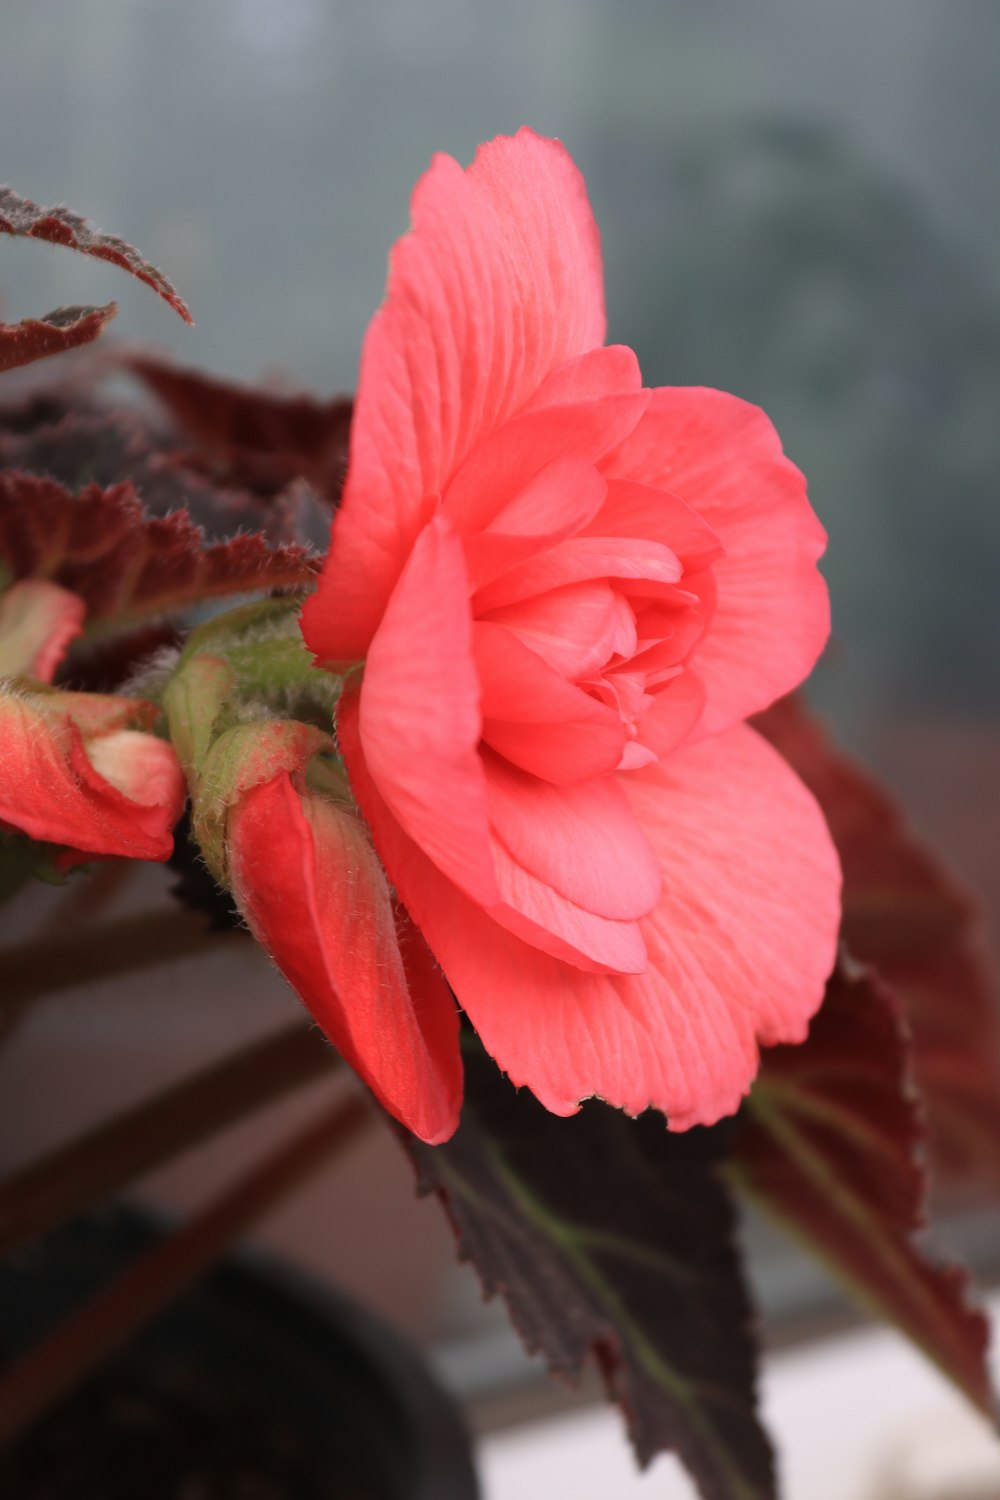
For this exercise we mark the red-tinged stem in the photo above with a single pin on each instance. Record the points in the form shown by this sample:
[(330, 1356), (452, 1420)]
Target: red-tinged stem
[(72, 1177), (114, 1314), (44, 965)]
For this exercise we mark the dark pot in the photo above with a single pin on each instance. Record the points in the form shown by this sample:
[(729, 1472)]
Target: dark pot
[(253, 1387)]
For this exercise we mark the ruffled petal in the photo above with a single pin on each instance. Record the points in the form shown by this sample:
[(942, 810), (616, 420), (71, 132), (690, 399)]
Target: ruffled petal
[(636, 510), (575, 629), (557, 501), (543, 917), (739, 946), (497, 284), (723, 458), (612, 370), (644, 566), (583, 841), (506, 461), (538, 720), (420, 713), (52, 786), (306, 877)]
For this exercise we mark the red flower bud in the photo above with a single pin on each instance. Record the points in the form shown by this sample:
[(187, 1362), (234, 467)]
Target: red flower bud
[(305, 875), (77, 770)]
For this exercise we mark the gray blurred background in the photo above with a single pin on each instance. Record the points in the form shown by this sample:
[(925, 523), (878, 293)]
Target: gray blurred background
[(799, 202)]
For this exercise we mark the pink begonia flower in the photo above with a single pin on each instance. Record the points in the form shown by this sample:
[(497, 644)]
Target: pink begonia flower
[(76, 769), (568, 592)]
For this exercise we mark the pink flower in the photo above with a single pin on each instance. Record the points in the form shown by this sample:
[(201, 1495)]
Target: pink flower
[(568, 592)]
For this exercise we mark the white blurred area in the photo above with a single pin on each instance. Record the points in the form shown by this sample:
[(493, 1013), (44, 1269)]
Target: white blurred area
[(858, 1417)]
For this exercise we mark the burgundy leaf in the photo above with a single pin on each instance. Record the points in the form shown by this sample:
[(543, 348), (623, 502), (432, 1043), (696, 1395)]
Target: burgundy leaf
[(831, 1144), (66, 328), (127, 565), (60, 226), (78, 442), (907, 914), (611, 1240), (264, 438)]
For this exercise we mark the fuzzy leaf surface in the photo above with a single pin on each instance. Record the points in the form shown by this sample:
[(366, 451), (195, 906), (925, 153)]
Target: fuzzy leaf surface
[(65, 328), (909, 916), (611, 1240), (125, 564), (61, 226), (65, 434), (831, 1143), (265, 439)]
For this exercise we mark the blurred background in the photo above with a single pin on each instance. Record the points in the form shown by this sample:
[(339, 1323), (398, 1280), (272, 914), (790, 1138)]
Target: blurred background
[(799, 203)]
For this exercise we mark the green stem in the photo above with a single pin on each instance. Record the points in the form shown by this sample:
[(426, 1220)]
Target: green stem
[(53, 1366)]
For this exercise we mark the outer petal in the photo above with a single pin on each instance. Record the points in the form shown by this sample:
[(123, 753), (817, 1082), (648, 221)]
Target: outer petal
[(146, 774), (38, 620), (307, 879), (497, 284), (723, 457), (52, 789), (584, 841), (539, 721), (420, 716), (555, 503), (739, 946)]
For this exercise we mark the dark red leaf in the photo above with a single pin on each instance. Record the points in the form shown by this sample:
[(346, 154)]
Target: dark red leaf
[(66, 328), (60, 226), (264, 438), (79, 442), (611, 1240), (831, 1143), (127, 565), (907, 914)]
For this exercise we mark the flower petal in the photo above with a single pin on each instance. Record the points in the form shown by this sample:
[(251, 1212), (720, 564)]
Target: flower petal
[(307, 880), (636, 510), (498, 284), (546, 920), (583, 841), (576, 629), (146, 773), (739, 945), (419, 713), (557, 501), (537, 719), (38, 620), (723, 458), (507, 460), (640, 564), (51, 789)]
